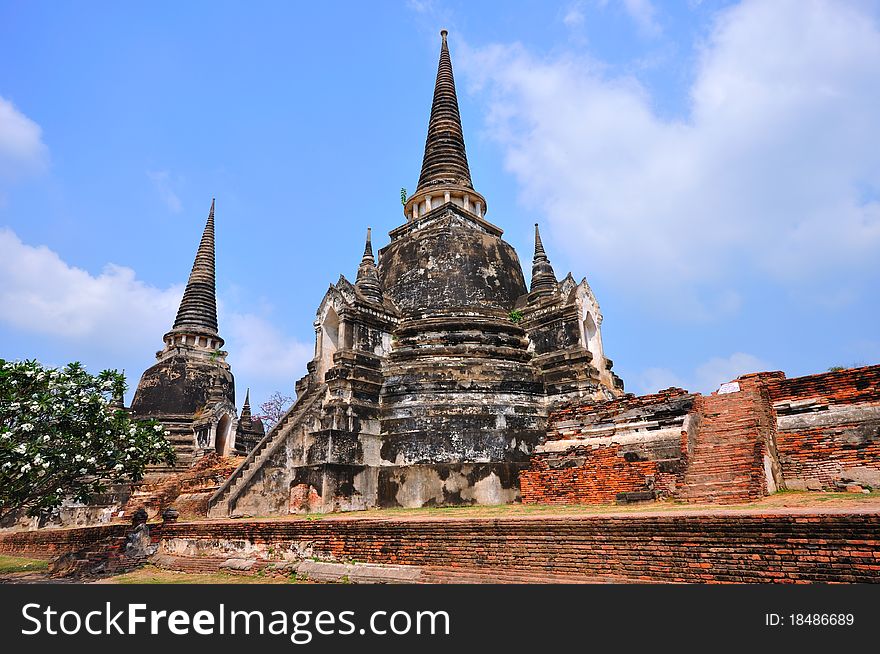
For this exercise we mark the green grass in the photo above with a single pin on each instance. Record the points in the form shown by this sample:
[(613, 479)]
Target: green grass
[(11, 564), (849, 497)]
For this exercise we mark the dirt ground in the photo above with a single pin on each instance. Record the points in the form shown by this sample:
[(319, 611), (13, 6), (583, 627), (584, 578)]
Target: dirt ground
[(783, 502)]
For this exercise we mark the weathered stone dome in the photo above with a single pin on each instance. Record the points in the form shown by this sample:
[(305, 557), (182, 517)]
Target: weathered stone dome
[(181, 385), (449, 260)]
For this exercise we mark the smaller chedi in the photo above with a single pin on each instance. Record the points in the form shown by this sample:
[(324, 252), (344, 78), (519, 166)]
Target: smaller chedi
[(250, 429), (190, 389)]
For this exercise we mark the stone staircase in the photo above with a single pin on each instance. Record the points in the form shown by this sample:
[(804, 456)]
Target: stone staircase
[(727, 462), (222, 502)]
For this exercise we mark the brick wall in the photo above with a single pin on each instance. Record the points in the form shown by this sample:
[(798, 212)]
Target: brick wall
[(815, 432), (52, 543), (595, 453), (828, 428), (850, 386), (596, 476), (731, 547)]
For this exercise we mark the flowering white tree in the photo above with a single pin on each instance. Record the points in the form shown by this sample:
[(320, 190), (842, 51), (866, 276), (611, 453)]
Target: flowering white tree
[(61, 436)]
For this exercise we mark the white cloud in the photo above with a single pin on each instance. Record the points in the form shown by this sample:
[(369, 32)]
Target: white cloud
[(574, 15), (22, 150), (421, 6), (260, 351), (705, 378), (774, 172), (119, 319), (40, 293), (164, 186), (644, 14)]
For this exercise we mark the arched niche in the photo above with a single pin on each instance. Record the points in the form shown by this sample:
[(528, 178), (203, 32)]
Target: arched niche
[(329, 338), (222, 437), (591, 335)]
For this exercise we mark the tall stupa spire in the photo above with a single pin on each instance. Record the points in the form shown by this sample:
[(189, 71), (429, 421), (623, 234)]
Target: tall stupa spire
[(445, 175), (196, 321), (543, 277), (198, 308), (445, 162)]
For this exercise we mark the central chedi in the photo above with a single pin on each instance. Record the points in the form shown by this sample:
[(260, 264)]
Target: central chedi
[(435, 370)]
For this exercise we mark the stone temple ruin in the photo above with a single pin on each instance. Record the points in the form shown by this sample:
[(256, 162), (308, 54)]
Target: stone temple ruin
[(441, 378), (434, 370)]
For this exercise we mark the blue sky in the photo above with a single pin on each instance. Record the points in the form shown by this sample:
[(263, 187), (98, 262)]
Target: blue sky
[(712, 168)]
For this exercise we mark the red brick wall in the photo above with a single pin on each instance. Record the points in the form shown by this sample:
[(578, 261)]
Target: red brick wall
[(816, 458), (825, 455), (603, 475), (678, 547), (51, 543), (597, 473), (850, 386)]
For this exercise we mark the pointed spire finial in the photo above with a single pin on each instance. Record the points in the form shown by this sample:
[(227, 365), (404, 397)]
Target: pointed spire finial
[(368, 276), (539, 246), (543, 278), (246, 409), (445, 161), (368, 247), (198, 308)]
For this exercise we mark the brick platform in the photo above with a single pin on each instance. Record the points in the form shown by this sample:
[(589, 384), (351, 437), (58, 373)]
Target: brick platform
[(761, 433), (679, 547)]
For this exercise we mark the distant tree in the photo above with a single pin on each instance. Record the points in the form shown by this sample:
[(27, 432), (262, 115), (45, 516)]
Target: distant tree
[(273, 409), (62, 435)]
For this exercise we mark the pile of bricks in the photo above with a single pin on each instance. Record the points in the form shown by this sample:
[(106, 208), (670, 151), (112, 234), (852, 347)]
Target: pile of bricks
[(187, 491), (766, 432), (572, 419)]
